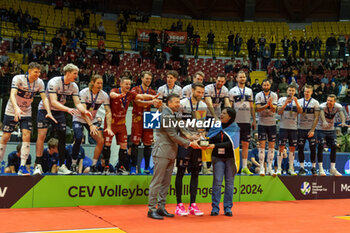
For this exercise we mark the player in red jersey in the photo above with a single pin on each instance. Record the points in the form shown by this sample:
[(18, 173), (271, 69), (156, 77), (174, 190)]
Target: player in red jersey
[(138, 133), (120, 99)]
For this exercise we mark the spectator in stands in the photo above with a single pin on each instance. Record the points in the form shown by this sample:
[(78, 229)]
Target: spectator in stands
[(322, 92), (254, 58), (210, 42), (250, 45), (74, 43), (183, 65), (33, 56), (309, 78), (266, 57), (100, 53), (16, 68), (175, 51), (230, 45), (285, 45), (331, 44), (302, 47), (195, 43), (179, 26), (341, 43), (78, 22), (153, 40), (57, 42), (4, 58), (93, 28), (348, 45), (317, 43), (309, 47), (262, 43), (27, 46), (115, 57), (83, 45), (282, 87), (256, 87), (16, 44), (273, 41), (101, 31), (173, 27), (325, 80), (190, 30), (108, 81), (333, 89), (64, 40), (294, 45), (245, 63), (86, 16), (14, 160), (238, 44)]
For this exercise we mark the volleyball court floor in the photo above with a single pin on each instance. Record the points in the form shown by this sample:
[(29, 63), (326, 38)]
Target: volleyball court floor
[(279, 216)]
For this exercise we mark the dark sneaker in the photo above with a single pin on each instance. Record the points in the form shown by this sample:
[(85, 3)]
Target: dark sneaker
[(74, 169), (313, 171), (302, 172), (94, 170), (106, 170)]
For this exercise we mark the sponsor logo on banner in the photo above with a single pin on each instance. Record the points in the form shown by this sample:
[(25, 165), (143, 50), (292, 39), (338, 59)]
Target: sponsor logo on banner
[(151, 120), (305, 188), (178, 37)]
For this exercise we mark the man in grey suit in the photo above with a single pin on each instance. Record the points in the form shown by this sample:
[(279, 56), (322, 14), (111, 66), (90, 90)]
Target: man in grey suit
[(164, 155)]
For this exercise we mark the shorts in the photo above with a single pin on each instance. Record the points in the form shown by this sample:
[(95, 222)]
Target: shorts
[(326, 137), (288, 134), (138, 133), (245, 129), (302, 137), (119, 132), (79, 130), (189, 158), (10, 124), (43, 123), (268, 132)]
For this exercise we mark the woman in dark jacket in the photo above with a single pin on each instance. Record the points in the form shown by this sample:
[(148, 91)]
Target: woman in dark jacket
[(225, 156)]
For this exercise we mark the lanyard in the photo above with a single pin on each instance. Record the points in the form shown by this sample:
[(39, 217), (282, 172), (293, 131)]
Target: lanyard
[(143, 92), (329, 111), (243, 94), (124, 100), (192, 105), (168, 89), (63, 84), (265, 96), (291, 106), (93, 101), (31, 92), (305, 107), (216, 95), (222, 136)]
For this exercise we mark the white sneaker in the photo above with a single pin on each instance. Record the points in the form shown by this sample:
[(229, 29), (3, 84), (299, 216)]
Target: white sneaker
[(262, 171), (38, 170), (334, 172), (321, 172), (63, 170), (292, 172), (271, 172), (279, 171)]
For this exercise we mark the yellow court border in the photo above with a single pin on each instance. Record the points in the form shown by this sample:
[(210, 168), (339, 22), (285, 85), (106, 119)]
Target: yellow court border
[(343, 217)]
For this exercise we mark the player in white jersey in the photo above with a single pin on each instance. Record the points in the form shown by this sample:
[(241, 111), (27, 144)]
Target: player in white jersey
[(288, 108), (58, 89), (190, 159), (326, 133), (242, 100), (92, 98), (170, 88), (19, 111), (306, 128), (187, 90), (215, 95), (266, 104)]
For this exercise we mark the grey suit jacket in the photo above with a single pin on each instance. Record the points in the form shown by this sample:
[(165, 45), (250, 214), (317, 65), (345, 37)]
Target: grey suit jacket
[(167, 138)]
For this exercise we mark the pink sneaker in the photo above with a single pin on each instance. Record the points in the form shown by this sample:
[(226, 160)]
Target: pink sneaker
[(193, 209), (180, 210)]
